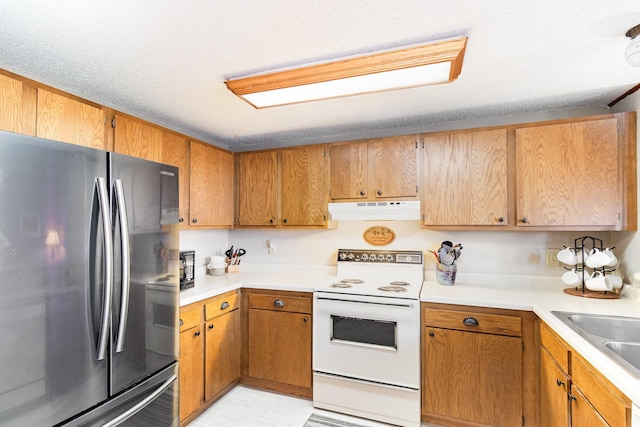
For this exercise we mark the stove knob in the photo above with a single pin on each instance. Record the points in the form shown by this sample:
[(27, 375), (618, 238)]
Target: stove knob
[(389, 257), (373, 257), (380, 257), (342, 256), (365, 257), (351, 256)]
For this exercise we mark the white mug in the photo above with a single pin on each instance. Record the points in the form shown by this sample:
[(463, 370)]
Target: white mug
[(597, 259), (597, 282), (567, 256), (613, 280), (570, 277), (613, 260)]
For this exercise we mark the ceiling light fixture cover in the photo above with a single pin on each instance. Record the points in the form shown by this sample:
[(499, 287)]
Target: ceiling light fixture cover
[(633, 49), (435, 63)]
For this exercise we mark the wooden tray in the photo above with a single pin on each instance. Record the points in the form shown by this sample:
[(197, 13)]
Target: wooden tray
[(586, 293)]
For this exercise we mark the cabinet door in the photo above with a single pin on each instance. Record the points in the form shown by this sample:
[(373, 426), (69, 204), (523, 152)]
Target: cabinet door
[(257, 188), (17, 106), (280, 347), (64, 119), (465, 178), (303, 190), (223, 355), (394, 162), (175, 152), (582, 413), (554, 391), (348, 171), (211, 186), (473, 377), (568, 174), (138, 139), (191, 371)]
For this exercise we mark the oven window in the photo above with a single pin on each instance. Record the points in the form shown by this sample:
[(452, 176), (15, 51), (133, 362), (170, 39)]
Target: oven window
[(364, 331)]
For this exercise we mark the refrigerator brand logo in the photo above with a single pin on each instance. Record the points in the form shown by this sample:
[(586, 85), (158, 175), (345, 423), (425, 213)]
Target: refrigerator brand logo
[(167, 173)]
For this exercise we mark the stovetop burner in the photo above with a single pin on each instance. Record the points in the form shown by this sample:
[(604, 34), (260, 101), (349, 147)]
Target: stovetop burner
[(352, 281), (341, 285), (400, 284), (393, 288)]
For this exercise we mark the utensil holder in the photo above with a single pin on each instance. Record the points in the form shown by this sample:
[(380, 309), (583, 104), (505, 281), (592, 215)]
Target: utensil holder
[(446, 274), (233, 269)]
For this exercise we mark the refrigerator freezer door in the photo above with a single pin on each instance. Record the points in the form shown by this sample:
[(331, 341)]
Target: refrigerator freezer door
[(152, 403), (150, 338), (51, 290)]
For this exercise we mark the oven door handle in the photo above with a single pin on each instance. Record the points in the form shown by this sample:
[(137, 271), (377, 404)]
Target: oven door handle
[(344, 300)]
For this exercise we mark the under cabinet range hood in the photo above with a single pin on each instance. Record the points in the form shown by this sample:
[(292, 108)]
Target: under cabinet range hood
[(380, 211)]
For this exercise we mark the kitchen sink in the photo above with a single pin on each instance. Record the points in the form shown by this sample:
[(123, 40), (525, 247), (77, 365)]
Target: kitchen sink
[(615, 328), (618, 337)]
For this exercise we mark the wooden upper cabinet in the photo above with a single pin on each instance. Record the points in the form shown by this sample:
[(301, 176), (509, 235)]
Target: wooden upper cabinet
[(257, 188), (569, 174), (395, 171), (137, 138), (349, 171), (374, 169), (17, 106), (65, 119), (175, 152), (303, 186), (465, 178), (211, 186)]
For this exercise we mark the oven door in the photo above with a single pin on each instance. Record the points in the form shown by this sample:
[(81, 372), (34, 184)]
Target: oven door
[(370, 338)]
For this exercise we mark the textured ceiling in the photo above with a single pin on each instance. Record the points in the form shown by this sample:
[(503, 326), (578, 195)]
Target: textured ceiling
[(166, 61)]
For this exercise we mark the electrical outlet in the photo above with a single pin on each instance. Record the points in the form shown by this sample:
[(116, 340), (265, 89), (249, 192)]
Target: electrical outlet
[(552, 256)]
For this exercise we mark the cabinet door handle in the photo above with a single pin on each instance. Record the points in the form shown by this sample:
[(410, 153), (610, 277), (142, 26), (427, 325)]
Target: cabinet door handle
[(572, 397), (305, 320), (197, 333), (278, 303), (195, 221), (431, 334), (470, 321), (525, 220), (210, 326), (224, 306), (501, 219), (362, 192), (181, 322), (560, 383), (271, 221), (180, 219), (379, 192), (285, 220)]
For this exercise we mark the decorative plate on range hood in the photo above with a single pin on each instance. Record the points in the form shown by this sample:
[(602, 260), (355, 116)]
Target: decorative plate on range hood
[(375, 211)]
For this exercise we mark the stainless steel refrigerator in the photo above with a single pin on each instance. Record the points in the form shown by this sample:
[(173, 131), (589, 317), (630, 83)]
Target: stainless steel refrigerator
[(89, 287)]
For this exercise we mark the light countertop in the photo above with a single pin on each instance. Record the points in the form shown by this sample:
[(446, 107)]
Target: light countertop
[(542, 295)]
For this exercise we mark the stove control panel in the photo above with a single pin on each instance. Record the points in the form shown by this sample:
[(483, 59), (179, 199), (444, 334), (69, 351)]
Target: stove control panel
[(388, 257)]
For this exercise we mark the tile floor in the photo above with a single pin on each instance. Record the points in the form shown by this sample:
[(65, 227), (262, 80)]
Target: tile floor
[(247, 407)]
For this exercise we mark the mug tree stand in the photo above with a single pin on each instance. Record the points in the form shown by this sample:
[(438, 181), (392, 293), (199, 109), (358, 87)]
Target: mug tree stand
[(581, 291)]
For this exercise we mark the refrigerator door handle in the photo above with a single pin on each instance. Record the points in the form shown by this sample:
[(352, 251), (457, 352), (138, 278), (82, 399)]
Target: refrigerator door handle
[(142, 404), (103, 334), (126, 263)]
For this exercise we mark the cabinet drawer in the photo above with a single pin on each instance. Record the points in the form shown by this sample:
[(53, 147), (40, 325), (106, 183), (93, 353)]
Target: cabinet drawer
[(280, 303), (497, 324), (556, 347), (610, 402), (225, 304), (190, 316)]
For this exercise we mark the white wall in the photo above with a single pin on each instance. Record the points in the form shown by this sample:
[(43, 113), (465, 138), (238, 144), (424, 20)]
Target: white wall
[(628, 243)]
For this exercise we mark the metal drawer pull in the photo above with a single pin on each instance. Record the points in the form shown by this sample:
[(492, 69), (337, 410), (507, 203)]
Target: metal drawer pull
[(470, 321), (224, 306), (560, 383), (197, 333), (278, 303), (306, 319), (210, 326), (181, 322)]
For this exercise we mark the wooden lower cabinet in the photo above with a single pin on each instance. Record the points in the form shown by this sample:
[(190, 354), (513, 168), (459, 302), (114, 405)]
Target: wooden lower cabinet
[(572, 392), (210, 352), (478, 366), (278, 341)]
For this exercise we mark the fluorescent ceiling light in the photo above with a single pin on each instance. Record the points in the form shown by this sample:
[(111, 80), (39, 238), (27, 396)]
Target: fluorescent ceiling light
[(434, 63)]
